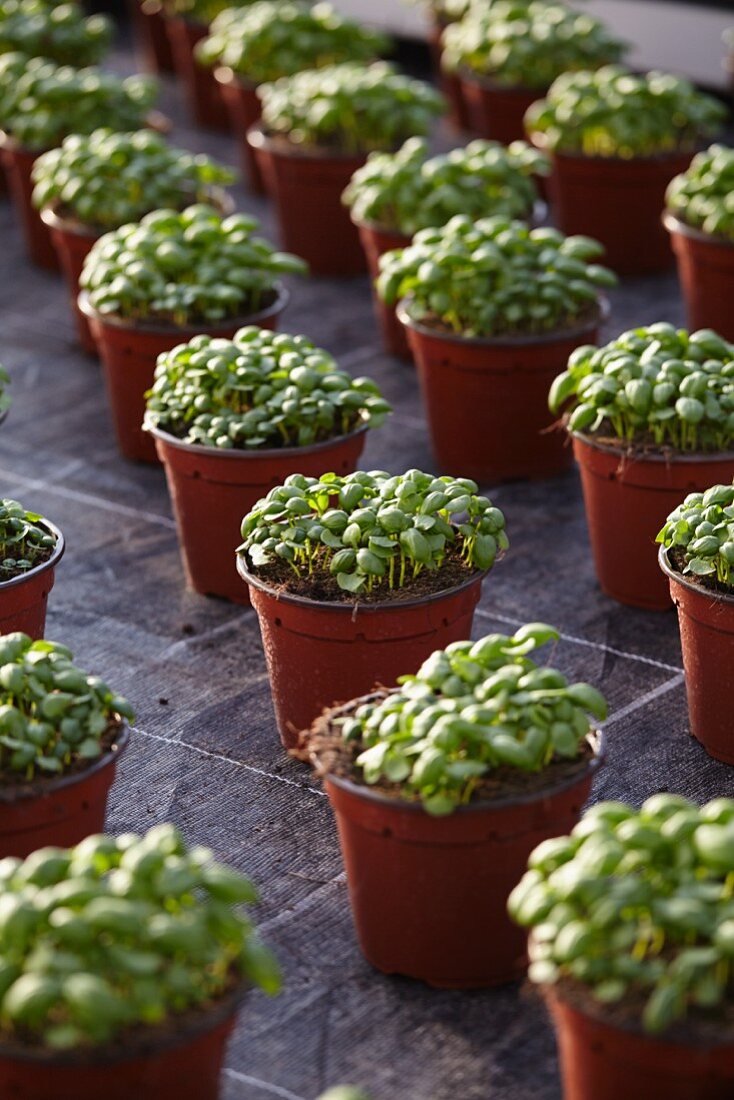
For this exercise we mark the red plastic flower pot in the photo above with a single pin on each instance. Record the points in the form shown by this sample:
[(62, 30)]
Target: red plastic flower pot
[(706, 273), (151, 37), (486, 399), (429, 894), (129, 352), (59, 811), (496, 111), (449, 83), (307, 187), (602, 1062), (18, 164), (243, 103), (627, 500), (202, 91), (23, 599), (72, 242), (320, 653), (207, 482), (375, 242), (706, 622), (183, 1063), (617, 202)]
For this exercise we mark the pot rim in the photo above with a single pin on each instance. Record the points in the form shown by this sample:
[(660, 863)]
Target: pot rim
[(233, 453), (11, 797), (485, 81), (258, 139), (146, 1046), (532, 339), (49, 216), (56, 556), (225, 74), (186, 332), (674, 224), (337, 607), (596, 738), (675, 457), (681, 579), (540, 141), (537, 214), (8, 142)]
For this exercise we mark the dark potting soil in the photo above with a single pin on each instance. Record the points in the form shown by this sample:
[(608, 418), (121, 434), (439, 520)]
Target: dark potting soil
[(677, 556), (701, 1027), (322, 587), (15, 784), (42, 558), (324, 748)]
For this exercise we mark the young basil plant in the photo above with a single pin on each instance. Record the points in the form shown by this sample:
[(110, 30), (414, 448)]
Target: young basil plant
[(495, 277), (121, 933), (275, 38), (521, 44), (24, 540), (349, 108), (42, 103), (637, 904), (471, 709), (655, 385), (52, 714), (702, 195), (408, 190), (202, 12), (106, 179), (260, 390), (373, 531), (59, 32), (186, 266), (702, 527), (616, 113)]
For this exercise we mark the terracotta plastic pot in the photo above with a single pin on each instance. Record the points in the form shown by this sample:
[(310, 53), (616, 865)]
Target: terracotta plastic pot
[(495, 111), (486, 400), (375, 242), (207, 483), (602, 1062), (429, 894), (184, 1064), (202, 91), (706, 622), (18, 164), (706, 273), (322, 653), (151, 37), (129, 353), (243, 103), (618, 202), (69, 809), (72, 243), (23, 599), (627, 501), (307, 191), (449, 83)]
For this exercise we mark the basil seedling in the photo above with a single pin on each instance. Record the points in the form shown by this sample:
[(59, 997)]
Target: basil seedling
[(24, 541), (260, 390), (201, 11), (495, 277), (615, 113), (637, 904), (121, 933), (702, 195), (408, 190), (60, 32), (702, 528), (469, 710), (41, 103), (373, 531), (516, 43), (656, 385), (349, 107), (184, 267), (106, 179), (275, 38), (52, 714)]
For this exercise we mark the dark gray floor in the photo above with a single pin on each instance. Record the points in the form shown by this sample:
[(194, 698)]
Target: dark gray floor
[(205, 753)]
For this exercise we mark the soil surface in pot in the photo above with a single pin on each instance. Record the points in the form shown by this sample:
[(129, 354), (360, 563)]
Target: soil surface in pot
[(16, 785), (677, 558)]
